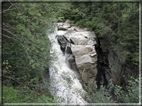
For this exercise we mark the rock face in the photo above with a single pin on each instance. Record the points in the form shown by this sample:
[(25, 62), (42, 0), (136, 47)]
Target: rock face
[(85, 56), (80, 55)]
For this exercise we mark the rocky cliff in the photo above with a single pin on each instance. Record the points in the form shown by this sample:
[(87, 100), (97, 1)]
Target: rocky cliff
[(84, 55), (80, 51)]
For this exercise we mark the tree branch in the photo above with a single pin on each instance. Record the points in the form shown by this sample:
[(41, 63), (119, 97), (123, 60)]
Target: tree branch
[(12, 79)]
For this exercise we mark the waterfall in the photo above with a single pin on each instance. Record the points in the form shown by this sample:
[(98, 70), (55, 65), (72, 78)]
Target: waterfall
[(64, 86)]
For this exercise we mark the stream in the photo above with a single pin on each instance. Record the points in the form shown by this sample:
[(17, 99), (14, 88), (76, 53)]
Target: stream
[(64, 86)]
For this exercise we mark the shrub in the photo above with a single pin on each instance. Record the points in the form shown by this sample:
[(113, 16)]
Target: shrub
[(132, 93), (100, 96)]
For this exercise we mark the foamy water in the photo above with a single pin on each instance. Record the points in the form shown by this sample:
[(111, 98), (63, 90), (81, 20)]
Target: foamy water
[(64, 85)]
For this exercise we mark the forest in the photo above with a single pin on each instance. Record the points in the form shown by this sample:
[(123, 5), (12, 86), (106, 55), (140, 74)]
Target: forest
[(26, 47)]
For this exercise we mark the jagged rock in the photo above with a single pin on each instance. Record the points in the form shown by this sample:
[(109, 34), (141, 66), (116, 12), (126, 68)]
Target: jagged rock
[(64, 26), (81, 55), (79, 50), (67, 24), (81, 38), (70, 59), (79, 41), (86, 62), (62, 40), (68, 49), (71, 41), (85, 76)]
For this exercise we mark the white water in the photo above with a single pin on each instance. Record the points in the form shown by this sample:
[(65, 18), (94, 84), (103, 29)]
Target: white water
[(64, 86)]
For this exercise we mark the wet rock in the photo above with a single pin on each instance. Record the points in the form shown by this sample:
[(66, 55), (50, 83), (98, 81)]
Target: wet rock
[(68, 49), (61, 28), (71, 41), (62, 40), (70, 58)]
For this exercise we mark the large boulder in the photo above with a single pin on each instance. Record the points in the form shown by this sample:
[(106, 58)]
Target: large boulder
[(86, 63), (84, 52), (79, 50), (81, 41)]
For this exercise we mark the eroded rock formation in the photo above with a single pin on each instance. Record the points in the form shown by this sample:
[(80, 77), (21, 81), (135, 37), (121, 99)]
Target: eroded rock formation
[(94, 67), (85, 56), (70, 58), (78, 46)]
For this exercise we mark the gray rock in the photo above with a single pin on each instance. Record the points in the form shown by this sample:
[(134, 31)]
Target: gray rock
[(70, 58), (66, 24), (80, 40), (79, 50), (62, 40)]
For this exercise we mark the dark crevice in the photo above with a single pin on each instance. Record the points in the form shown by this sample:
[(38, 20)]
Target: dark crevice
[(103, 75), (62, 40)]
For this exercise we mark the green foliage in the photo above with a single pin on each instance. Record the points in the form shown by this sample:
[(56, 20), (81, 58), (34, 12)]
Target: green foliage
[(25, 43), (45, 99), (116, 23), (13, 95), (132, 94), (10, 95), (97, 96), (26, 47)]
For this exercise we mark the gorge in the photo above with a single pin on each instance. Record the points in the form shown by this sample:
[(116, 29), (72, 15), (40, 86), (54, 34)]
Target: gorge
[(92, 55), (78, 63)]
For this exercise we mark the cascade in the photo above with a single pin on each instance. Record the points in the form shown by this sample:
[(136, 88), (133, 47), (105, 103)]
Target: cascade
[(64, 85)]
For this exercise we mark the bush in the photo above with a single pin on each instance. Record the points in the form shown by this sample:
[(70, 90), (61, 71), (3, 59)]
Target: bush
[(97, 96), (10, 95), (26, 48), (132, 93), (24, 94)]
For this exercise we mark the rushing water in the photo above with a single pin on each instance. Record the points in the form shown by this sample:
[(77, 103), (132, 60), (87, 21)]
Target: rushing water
[(64, 86)]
